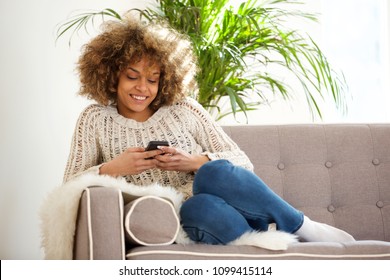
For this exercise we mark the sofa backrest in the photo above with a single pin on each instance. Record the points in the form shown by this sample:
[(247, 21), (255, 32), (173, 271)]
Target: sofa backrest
[(338, 174)]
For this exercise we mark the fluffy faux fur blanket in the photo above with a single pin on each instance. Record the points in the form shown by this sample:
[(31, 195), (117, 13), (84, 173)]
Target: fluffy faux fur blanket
[(58, 216)]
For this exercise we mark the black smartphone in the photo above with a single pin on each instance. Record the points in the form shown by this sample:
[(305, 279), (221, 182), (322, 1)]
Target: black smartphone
[(154, 144)]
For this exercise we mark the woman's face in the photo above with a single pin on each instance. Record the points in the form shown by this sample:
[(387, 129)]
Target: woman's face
[(137, 88)]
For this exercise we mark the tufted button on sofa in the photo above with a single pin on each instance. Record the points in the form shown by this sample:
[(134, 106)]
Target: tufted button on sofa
[(337, 174)]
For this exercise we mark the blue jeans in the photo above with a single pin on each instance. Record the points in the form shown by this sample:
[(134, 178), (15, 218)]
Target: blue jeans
[(229, 201)]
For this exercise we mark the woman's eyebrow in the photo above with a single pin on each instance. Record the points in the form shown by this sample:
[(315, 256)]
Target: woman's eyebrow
[(135, 70), (132, 69)]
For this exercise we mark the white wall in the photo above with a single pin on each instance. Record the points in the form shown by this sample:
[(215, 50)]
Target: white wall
[(354, 35), (39, 108), (38, 112)]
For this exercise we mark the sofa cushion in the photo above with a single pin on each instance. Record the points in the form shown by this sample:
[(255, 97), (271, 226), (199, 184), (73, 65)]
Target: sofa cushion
[(151, 221), (359, 250)]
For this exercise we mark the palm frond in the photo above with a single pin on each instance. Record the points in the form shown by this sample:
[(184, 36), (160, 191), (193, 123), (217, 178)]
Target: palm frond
[(237, 45), (81, 21)]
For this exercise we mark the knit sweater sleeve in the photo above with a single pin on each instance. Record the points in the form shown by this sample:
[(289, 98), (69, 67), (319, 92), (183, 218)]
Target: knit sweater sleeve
[(84, 153), (216, 144)]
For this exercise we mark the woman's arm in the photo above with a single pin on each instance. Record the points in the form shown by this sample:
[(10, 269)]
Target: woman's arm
[(175, 159), (215, 143), (84, 153), (130, 162)]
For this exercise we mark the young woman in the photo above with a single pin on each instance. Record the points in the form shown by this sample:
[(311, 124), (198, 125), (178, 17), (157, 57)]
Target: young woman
[(141, 76)]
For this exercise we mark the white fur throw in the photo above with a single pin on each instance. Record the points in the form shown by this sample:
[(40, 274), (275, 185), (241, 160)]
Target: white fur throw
[(58, 215)]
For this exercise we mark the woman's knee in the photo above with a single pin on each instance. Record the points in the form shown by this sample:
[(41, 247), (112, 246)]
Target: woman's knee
[(209, 219), (213, 167), (210, 174), (197, 218), (195, 210)]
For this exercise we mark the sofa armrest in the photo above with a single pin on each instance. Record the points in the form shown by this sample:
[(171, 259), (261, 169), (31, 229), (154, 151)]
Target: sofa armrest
[(99, 228)]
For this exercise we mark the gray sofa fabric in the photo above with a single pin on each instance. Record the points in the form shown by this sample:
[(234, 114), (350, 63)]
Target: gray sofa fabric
[(338, 174), (369, 250)]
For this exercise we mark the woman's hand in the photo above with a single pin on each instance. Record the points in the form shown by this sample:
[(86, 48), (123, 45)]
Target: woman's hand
[(130, 162), (178, 160)]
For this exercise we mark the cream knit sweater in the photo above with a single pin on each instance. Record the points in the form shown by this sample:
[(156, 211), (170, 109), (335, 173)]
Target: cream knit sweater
[(101, 134)]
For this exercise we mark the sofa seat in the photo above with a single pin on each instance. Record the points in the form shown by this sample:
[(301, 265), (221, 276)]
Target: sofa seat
[(367, 249)]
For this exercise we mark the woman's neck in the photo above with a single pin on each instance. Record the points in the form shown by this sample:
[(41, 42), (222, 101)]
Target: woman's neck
[(142, 116)]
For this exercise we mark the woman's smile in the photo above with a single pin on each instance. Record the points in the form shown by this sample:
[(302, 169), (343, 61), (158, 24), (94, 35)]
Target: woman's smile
[(138, 97)]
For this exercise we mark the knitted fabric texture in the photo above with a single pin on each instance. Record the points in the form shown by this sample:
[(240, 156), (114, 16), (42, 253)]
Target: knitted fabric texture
[(101, 134)]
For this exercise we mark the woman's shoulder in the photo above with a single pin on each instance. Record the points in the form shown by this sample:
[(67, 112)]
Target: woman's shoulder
[(93, 108), (190, 104), (93, 111), (191, 112)]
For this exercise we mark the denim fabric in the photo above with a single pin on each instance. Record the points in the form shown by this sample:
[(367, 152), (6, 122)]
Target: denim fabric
[(229, 201)]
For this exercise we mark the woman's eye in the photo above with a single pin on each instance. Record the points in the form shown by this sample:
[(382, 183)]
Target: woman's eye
[(131, 78), (152, 81)]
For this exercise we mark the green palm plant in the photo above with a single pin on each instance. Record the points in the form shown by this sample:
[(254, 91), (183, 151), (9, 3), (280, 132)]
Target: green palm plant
[(237, 47)]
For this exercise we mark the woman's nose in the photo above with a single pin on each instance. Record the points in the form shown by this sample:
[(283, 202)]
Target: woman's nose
[(141, 85)]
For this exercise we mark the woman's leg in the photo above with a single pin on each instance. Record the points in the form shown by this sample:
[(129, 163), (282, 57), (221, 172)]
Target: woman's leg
[(254, 200), (319, 232), (248, 194), (209, 219)]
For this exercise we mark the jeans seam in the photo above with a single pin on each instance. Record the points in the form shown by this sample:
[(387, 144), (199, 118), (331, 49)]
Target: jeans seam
[(204, 231)]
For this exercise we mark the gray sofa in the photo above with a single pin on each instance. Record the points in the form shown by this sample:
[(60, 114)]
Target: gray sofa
[(338, 174)]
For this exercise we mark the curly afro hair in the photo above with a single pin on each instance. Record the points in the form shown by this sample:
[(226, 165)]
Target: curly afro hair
[(128, 41)]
